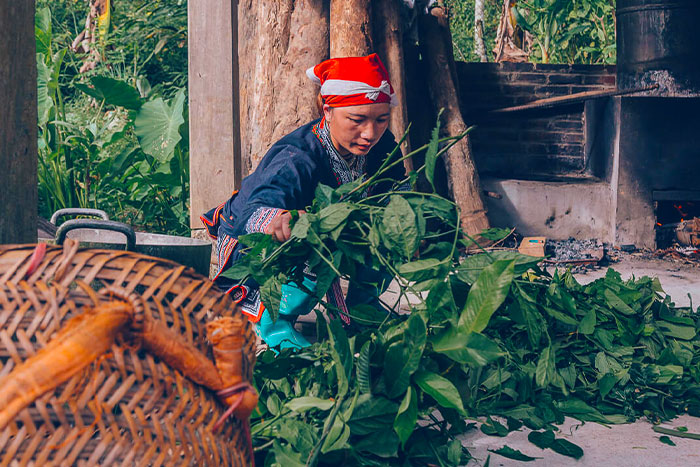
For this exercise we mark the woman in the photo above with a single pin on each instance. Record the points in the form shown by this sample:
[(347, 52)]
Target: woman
[(351, 140)]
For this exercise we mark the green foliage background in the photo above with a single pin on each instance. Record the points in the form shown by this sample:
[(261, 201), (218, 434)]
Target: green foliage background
[(98, 129), (563, 31)]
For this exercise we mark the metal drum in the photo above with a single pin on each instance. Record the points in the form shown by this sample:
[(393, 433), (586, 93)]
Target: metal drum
[(656, 45), (104, 233)]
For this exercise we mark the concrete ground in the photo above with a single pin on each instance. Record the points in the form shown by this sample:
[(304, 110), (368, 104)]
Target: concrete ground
[(631, 445), (677, 279)]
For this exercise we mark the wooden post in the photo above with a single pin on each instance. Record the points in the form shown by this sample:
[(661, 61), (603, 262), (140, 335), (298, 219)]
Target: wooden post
[(18, 123), (388, 40), (350, 28), (215, 158), (462, 177), (278, 41)]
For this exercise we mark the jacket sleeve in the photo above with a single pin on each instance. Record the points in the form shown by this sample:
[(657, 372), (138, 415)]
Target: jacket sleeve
[(286, 181)]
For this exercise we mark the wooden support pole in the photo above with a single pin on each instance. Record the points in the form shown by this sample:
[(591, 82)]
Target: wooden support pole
[(350, 28), (278, 41), (388, 35), (463, 180), (215, 161), (18, 123)]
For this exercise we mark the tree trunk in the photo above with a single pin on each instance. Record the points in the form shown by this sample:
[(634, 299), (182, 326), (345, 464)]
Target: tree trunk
[(277, 41), (307, 47), (463, 180), (350, 28), (18, 123), (479, 48), (388, 34)]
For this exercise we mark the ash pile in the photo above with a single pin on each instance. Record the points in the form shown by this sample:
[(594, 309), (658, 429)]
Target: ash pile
[(580, 255)]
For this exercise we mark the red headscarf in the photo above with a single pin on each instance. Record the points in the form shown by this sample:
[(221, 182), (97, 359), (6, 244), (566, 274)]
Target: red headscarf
[(353, 81)]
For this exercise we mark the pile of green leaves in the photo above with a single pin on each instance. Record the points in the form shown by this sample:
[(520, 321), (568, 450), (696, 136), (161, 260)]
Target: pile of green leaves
[(486, 335)]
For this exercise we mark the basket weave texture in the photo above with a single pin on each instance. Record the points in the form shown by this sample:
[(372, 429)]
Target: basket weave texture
[(126, 407)]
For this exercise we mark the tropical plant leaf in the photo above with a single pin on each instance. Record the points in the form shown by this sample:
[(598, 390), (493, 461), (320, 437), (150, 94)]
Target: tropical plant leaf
[(302, 404), (407, 416), (567, 448), (157, 126), (113, 92), (487, 294), (403, 357), (432, 152), (510, 453), (441, 389), (399, 229)]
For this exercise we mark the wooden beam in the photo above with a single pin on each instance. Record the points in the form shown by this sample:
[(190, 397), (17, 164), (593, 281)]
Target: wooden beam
[(215, 162), (18, 123), (570, 99)]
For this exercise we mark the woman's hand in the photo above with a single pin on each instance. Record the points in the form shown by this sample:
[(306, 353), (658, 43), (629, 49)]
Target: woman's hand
[(279, 226)]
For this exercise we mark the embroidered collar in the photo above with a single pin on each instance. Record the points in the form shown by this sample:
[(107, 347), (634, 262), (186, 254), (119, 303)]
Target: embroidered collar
[(344, 173)]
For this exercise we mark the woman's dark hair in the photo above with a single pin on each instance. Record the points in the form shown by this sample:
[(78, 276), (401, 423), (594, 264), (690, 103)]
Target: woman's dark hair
[(319, 104)]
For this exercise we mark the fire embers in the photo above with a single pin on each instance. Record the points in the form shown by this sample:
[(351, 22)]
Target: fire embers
[(678, 222)]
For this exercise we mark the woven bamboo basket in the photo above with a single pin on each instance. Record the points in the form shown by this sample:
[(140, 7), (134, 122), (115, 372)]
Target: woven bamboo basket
[(116, 358)]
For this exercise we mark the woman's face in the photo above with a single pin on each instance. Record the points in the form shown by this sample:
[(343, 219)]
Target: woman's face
[(356, 129)]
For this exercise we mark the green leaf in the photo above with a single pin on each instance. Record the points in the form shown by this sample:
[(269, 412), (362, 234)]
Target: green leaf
[(403, 357), (666, 440), (422, 269), (587, 324), (333, 216), (674, 330), (606, 383), (271, 295), (383, 444), (473, 349), (495, 234), (113, 92), (302, 404), (566, 448), (616, 302), (407, 416), (42, 31), (44, 100), (301, 227), (469, 270), (301, 436), (541, 439), (441, 389), (337, 436), (511, 453), (364, 376), (341, 353), (487, 294), (372, 413), (399, 228), (285, 455), (157, 126), (491, 427), (367, 315), (432, 151), (546, 368)]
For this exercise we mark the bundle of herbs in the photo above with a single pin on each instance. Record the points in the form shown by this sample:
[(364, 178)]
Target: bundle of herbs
[(488, 336)]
